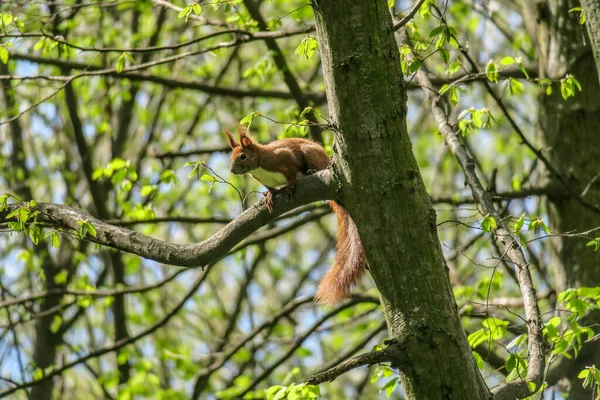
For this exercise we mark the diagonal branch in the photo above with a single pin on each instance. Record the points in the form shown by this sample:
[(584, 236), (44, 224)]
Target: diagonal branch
[(510, 246), (408, 16), (320, 186), (374, 357)]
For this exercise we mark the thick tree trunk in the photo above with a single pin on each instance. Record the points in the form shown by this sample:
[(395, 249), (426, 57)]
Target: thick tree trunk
[(570, 130), (384, 193), (591, 9)]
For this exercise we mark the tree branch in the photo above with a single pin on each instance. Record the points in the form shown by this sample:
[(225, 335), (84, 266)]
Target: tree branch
[(510, 246), (116, 346), (320, 186), (168, 82), (409, 16), (374, 357)]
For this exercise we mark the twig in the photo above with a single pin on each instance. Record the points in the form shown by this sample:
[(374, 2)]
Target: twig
[(371, 358), (409, 16)]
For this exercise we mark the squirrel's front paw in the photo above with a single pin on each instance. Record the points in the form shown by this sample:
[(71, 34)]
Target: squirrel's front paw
[(269, 200)]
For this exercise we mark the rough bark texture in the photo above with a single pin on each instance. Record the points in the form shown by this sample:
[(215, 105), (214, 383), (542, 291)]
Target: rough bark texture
[(383, 191), (571, 134), (591, 9)]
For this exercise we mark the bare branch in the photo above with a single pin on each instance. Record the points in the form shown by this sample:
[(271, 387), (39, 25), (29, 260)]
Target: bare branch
[(168, 82), (320, 186), (409, 16), (331, 374)]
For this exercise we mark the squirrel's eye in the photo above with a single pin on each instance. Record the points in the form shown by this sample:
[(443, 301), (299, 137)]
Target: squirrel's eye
[(243, 156)]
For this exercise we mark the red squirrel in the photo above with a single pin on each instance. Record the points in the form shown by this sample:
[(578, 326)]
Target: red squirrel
[(280, 164)]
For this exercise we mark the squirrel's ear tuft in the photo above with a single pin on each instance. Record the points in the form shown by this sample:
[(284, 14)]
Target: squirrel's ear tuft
[(245, 138), (231, 140)]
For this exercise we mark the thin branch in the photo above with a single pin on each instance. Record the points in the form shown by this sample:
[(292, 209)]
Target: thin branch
[(168, 82), (538, 153), (409, 16), (375, 357), (98, 293), (509, 244), (116, 346), (300, 340), (189, 153), (152, 49)]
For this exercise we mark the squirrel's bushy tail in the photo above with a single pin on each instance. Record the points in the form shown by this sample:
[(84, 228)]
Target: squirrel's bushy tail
[(349, 264)]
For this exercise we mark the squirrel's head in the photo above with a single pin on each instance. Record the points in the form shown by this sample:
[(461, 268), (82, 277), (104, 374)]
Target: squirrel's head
[(245, 156)]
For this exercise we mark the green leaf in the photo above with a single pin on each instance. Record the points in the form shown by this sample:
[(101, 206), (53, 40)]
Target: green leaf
[(168, 176), (389, 387), (3, 202), (478, 360), (477, 337), (122, 358), (6, 19), (274, 391), (491, 71), (127, 185), (414, 66), (488, 224), (538, 224), (97, 174), (146, 190), (40, 44), (453, 68), (56, 323), (507, 61), (208, 178), (307, 47), (185, 13), (306, 111), (515, 86), (248, 119), (3, 54), (303, 352), (595, 243), (129, 57), (55, 239), (61, 277), (120, 63), (445, 55), (91, 230), (516, 366), (581, 14), (194, 170), (522, 68), (584, 373), (436, 31), (519, 224), (34, 234), (37, 374)]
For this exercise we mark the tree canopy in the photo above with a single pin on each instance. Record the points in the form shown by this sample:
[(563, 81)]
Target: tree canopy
[(464, 144)]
